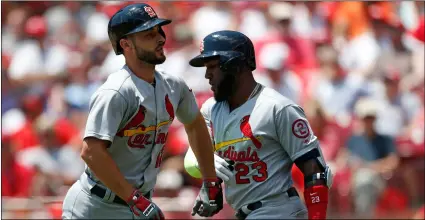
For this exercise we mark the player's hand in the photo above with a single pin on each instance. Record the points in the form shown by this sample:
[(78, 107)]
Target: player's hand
[(142, 207), (223, 168), (210, 199)]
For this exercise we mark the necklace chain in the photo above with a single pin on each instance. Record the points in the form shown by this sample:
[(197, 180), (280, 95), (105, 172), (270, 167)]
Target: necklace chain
[(254, 91)]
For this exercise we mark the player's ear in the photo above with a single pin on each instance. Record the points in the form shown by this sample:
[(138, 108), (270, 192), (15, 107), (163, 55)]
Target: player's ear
[(125, 44)]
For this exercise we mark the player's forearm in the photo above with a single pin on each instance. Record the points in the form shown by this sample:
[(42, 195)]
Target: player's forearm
[(309, 168), (200, 142), (103, 166), (316, 192)]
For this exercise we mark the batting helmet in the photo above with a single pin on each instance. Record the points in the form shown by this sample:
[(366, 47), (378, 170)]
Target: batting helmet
[(132, 19), (231, 47)]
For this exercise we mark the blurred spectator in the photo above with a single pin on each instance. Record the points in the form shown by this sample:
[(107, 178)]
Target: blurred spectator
[(335, 89), (56, 17), (276, 75), (60, 163), (212, 16), (252, 20), (386, 26), (395, 106), (414, 40), (352, 36), (330, 135), (301, 51), (170, 178), (10, 94), (42, 61), (18, 122), (97, 23), (16, 180), (13, 31), (177, 61), (316, 26), (110, 64), (416, 127), (371, 157)]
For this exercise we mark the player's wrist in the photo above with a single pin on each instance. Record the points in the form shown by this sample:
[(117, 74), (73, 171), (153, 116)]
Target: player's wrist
[(316, 199), (137, 197), (211, 181), (140, 205), (129, 193)]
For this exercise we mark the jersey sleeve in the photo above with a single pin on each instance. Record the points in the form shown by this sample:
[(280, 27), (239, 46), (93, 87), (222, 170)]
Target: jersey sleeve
[(294, 132), (107, 108), (187, 109)]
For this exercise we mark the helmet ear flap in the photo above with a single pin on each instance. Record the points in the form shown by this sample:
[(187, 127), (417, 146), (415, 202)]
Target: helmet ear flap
[(233, 65)]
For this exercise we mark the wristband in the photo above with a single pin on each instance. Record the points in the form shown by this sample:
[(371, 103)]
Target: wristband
[(316, 199)]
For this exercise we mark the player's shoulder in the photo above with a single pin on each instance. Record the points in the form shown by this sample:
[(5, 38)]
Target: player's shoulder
[(271, 99), (208, 105), (119, 82), (116, 80), (172, 80)]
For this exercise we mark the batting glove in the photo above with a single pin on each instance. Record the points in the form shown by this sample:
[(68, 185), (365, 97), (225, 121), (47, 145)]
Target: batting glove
[(210, 199), (223, 168), (140, 205)]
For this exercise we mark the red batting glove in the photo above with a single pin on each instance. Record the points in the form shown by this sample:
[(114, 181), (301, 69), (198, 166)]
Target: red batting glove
[(141, 205), (316, 199)]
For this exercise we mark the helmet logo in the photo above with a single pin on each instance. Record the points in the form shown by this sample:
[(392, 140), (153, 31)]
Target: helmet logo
[(150, 11), (201, 47)]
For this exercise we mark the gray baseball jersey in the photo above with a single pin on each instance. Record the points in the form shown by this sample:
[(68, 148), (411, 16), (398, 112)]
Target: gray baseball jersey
[(263, 136), (135, 116)]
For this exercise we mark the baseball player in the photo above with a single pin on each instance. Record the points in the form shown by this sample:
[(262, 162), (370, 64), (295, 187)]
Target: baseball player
[(258, 135), (128, 124)]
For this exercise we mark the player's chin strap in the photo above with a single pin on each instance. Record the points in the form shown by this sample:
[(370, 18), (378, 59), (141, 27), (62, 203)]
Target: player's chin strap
[(316, 194)]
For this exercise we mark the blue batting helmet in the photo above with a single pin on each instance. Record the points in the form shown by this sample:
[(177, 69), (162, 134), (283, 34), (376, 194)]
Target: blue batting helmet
[(231, 47), (132, 19)]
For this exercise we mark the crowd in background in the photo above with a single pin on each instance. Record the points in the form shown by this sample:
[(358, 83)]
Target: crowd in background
[(356, 68)]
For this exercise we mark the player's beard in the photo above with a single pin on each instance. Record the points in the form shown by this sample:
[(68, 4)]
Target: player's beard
[(226, 88), (149, 56)]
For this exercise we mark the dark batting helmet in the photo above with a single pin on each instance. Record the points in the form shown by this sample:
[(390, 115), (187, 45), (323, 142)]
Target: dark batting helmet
[(231, 47), (132, 19)]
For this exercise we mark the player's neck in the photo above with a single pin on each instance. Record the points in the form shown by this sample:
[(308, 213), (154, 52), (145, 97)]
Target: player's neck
[(242, 94), (143, 70)]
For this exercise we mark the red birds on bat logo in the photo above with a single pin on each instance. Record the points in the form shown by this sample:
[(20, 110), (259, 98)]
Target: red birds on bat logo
[(150, 11), (135, 122), (169, 107), (247, 131)]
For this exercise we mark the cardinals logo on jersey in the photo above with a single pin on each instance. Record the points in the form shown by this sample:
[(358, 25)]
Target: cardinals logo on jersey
[(169, 108), (247, 131), (136, 121), (139, 135)]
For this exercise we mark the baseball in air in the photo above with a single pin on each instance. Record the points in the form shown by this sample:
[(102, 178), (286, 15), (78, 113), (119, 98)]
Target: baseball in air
[(191, 164)]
